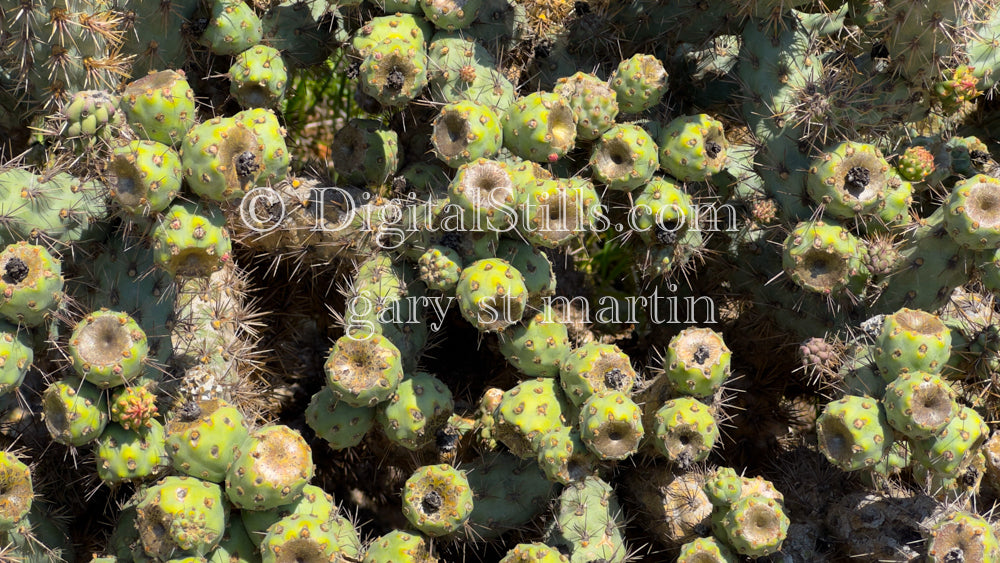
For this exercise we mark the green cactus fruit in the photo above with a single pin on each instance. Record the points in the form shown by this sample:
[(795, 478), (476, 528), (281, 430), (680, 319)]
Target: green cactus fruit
[(697, 361), (593, 101), (391, 26), (555, 212), (222, 159), (365, 152), (850, 179), (540, 127), (487, 195), (465, 131), (271, 136), (270, 469), (160, 106), (340, 424), (896, 211), (451, 14), (31, 287), (705, 550), (202, 438), (191, 240), (180, 516), (916, 163), (529, 411), (133, 407), (491, 294), (437, 499), (130, 455), (686, 431), (18, 491), (919, 405), (235, 545), (536, 347), (593, 368), (952, 449), (912, 340), (588, 523), (611, 425), (302, 537), (440, 268), (639, 82), (314, 502), (91, 116), (824, 258), (663, 212), (962, 536), (853, 432), (363, 372), (232, 27), (398, 546), (624, 158), (564, 457), (16, 356), (146, 176), (258, 77), (755, 526), (394, 6), (534, 553), (973, 213), (693, 147), (75, 411), (533, 264), (108, 348), (416, 411), (723, 487), (394, 72)]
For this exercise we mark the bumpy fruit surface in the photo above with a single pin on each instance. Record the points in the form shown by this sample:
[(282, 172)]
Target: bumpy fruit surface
[(705, 550), (340, 424), (146, 176), (270, 469), (75, 411), (437, 499), (824, 258), (537, 346), (973, 213), (528, 412), (911, 341), (611, 425), (692, 148), (180, 516), (756, 526), (639, 82), (953, 448), (202, 438), (962, 536), (686, 431), (697, 361), (191, 239), (31, 284), (918, 404), (419, 407), (853, 432), (593, 101), (363, 372), (849, 180), (491, 294), (18, 492), (16, 356), (126, 455), (534, 553), (108, 348), (160, 106), (258, 77), (540, 127), (222, 159), (593, 368), (398, 547), (133, 407), (624, 158)]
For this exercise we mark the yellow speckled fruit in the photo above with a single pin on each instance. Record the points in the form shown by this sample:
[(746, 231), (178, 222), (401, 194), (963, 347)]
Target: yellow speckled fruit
[(437, 499)]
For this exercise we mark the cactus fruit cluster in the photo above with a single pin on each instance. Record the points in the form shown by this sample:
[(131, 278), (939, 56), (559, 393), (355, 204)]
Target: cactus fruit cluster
[(389, 281)]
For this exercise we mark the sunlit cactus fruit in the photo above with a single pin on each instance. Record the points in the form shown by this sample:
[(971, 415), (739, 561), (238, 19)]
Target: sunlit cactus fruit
[(529, 411), (416, 411), (465, 131), (399, 546), (554, 212), (451, 14), (853, 432), (916, 163), (952, 448), (534, 553), (564, 457), (697, 361), (302, 537), (160, 106), (662, 212), (90, 117), (17, 490), (437, 499), (271, 138), (180, 516), (145, 176), (31, 287), (75, 411), (202, 438), (918, 404), (537, 346), (849, 180), (340, 424), (972, 215), (270, 469), (108, 348), (611, 425), (314, 502), (540, 127), (624, 157), (824, 258), (639, 83), (755, 526), (594, 102), (130, 454), (962, 536), (222, 158), (133, 407), (363, 372), (440, 268), (16, 356), (486, 192), (233, 27), (685, 432), (723, 486), (192, 240), (394, 71), (705, 550), (491, 294), (258, 77), (593, 368), (912, 341), (692, 148)]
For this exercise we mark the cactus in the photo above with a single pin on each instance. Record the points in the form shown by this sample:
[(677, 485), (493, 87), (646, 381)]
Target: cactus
[(853, 432), (639, 82), (624, 157), (437, 499), (416, 411), (594, 368), (258, 77), (611, 425), (340, 424), (202, 438), (31, 287), (160, 107), (108, 348), (686, 431), (269, 469), (75, 411), (180, 516)]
